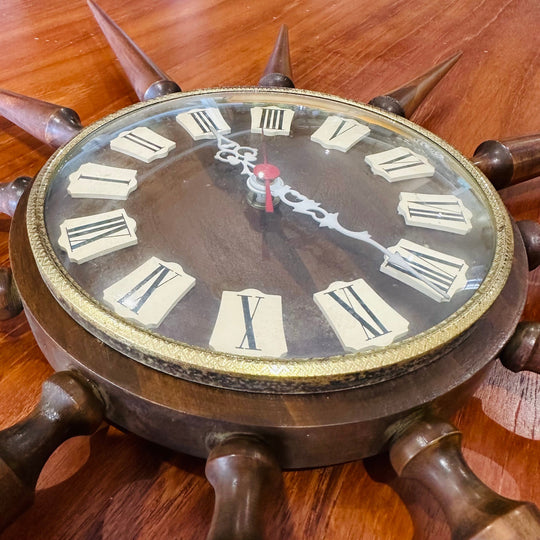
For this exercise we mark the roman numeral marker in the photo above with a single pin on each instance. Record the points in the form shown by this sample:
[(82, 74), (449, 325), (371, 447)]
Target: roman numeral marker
[(271, 120), (249, 322), (360, 318), (92, 236), (400, 164), (95, 181), (370, 323), (445, 273), (143, 144), (439, 212), (249, 314), (150, 292), (203, 123), (338, 133)]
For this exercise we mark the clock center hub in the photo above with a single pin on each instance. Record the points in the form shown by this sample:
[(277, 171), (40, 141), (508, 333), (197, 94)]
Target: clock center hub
[(266, 171), (259, 184)]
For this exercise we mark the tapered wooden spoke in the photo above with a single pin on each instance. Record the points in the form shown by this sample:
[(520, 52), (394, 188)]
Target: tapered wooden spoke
[(10, 301), (245, 475), (69, 406), (522, 352), (510, 161), (405, 100), (430, 453), (530, 233), (50, 123), (145, 77), (278, 71), (11, 192)]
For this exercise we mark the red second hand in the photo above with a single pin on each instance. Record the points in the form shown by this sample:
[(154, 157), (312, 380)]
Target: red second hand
[(269, 205), (267, 172)]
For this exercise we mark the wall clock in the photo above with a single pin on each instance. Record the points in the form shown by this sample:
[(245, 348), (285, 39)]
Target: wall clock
[(265, 272)]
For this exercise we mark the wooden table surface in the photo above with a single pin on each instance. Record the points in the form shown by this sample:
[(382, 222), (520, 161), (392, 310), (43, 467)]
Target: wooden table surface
[(114, 485)]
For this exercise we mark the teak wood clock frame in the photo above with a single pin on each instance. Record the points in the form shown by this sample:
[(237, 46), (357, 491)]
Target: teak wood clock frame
[(247, 434)]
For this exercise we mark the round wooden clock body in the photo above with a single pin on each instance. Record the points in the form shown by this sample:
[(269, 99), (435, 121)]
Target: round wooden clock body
[(304, 429), (187, 395)]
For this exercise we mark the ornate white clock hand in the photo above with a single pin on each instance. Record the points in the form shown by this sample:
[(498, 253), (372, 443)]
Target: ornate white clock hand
[(303, 205), (231, 152)]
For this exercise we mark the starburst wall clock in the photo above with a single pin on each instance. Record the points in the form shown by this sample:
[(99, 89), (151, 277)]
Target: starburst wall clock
[(267, 278)]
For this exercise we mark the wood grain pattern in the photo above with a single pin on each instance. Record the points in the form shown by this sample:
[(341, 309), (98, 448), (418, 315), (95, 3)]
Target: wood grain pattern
[(115, 485)]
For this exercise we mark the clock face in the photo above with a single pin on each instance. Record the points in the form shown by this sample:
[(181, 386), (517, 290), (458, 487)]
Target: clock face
[(257, 238)]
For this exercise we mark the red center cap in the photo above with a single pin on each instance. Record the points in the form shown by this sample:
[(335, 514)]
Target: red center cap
[(266, 171)]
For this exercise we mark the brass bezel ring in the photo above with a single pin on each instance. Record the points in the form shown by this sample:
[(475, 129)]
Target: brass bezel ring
[(261, 374)]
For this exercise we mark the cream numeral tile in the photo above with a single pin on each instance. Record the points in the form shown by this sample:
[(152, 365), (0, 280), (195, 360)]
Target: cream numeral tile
[(148, 294), (400, 164), (249, 322), (338, 133), (440, 212), (203, 123), (271, 120), (95, 181), (360, 318), (86, 238), (441, 275), (142, 143)]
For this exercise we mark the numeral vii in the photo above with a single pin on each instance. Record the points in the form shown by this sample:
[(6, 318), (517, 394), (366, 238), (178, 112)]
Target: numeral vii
[(439, 212)]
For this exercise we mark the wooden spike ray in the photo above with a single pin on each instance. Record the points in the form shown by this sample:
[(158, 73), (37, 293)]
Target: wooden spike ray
[(510, 161), (522, 352), (53, 124), (278, 71), (405, 100), (145, 77)]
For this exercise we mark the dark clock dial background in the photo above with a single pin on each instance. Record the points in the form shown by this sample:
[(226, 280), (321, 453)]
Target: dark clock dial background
[(355, 49), (192, 209)]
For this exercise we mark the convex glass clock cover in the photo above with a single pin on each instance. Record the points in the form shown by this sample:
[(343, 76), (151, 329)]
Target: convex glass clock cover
[(267, 234)]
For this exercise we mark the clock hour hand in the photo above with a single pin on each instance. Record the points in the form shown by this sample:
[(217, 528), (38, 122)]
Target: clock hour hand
[(231, 152)]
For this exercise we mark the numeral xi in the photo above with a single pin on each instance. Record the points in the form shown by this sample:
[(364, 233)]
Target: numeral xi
[(360, 318)]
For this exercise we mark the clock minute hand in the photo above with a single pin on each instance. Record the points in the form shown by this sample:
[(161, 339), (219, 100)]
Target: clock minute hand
[(231, 152), (301, 204)]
